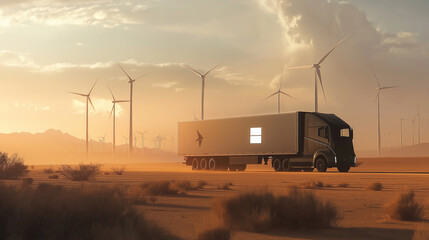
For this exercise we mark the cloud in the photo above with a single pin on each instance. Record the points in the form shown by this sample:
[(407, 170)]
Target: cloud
[(32, 106), (165, 84), (107, 13)]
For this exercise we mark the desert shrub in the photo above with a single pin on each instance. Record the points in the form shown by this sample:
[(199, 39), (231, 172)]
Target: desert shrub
[(404, 208), (48, 170), (52, 212), (82, 173), (118, 171), (201, 184), (261, 211), (422, 232), (53, 176), (220, 233), (312, 184), (106, 173), (134, 195), (375, 186), (170, 187), (159, 188), (27, 181), (12, 167), (343, 185), (225, 186)]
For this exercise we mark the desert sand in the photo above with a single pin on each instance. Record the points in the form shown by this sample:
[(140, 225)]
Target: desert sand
[(362, 212)]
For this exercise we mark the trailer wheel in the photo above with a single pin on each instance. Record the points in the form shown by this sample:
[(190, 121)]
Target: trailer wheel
[(277, 165), (286, 165), (343, 168), (195, 164), (212, 164), (321, 165), (203, 164)]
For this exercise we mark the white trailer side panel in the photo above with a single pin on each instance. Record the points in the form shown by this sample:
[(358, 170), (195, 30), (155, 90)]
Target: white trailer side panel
[(231, 136)]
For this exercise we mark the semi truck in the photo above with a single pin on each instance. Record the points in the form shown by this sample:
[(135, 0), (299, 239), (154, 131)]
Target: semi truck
[(296, 141)]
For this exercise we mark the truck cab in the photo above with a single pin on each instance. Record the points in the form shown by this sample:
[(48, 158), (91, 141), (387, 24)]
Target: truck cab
[(328, 140)]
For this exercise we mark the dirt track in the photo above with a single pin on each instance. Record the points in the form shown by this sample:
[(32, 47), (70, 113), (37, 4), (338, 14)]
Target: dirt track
[(362, 210)]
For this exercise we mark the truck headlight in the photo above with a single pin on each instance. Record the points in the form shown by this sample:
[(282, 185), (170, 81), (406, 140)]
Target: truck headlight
[(335, 159), (354, 160)]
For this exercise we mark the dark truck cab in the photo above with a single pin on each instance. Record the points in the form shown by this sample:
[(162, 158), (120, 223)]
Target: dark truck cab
[(328, 140)]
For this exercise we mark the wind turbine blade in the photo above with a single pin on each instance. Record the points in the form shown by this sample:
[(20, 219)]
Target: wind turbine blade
[(324, 57), (281, 81), (211, 69), (375, 76), (91, 103), (319, 74), (111, 112), (80, 94), (143, 75), (90, 91), (288, 95), (390, 87), (122, 101), (111, 92), (193, 70), (300, 67), (271, 95), (378, 94), (125, 73)]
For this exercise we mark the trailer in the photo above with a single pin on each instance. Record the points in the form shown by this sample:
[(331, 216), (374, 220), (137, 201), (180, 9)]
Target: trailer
[(297, 141)]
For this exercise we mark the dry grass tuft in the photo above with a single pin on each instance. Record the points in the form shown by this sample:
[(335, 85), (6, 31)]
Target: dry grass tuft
[(27, 181), (53, 176), (262, 211), (375, 186), (422, 232), (225, 186), (343, 185), (404, 208), (219, 233), (48, 170), (312, 184), (53, 212), (12, 167), (118, 171), (82, 173), (170, 187)]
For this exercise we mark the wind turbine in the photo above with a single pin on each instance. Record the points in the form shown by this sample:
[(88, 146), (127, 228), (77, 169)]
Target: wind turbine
[(113, 112), (377, 98), (203, 83), (142, 137), (418, 124), (279, 92), (88, 100), (131, 82), (317, 73)]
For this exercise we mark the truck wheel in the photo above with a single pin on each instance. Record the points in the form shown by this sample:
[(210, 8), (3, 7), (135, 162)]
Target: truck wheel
[(212, 164), (321, 165), (286, 165), (343, 168), (203, 164), (195, 164), (277, 165), (241, 167)]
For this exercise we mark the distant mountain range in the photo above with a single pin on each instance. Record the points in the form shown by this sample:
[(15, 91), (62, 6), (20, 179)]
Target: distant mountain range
[(56, 147)]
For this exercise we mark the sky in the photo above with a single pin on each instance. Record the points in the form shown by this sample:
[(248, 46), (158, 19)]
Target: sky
[(51, 47)]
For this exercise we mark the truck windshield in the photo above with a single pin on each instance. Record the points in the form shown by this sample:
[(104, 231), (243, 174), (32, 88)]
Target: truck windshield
[(345, 132)]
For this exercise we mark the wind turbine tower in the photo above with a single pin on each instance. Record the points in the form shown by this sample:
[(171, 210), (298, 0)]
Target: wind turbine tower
[(377, 98), (317, 73), (278, 93), (142, 137), (203, 83), (131, 82), (88, 101), (113, 112)]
